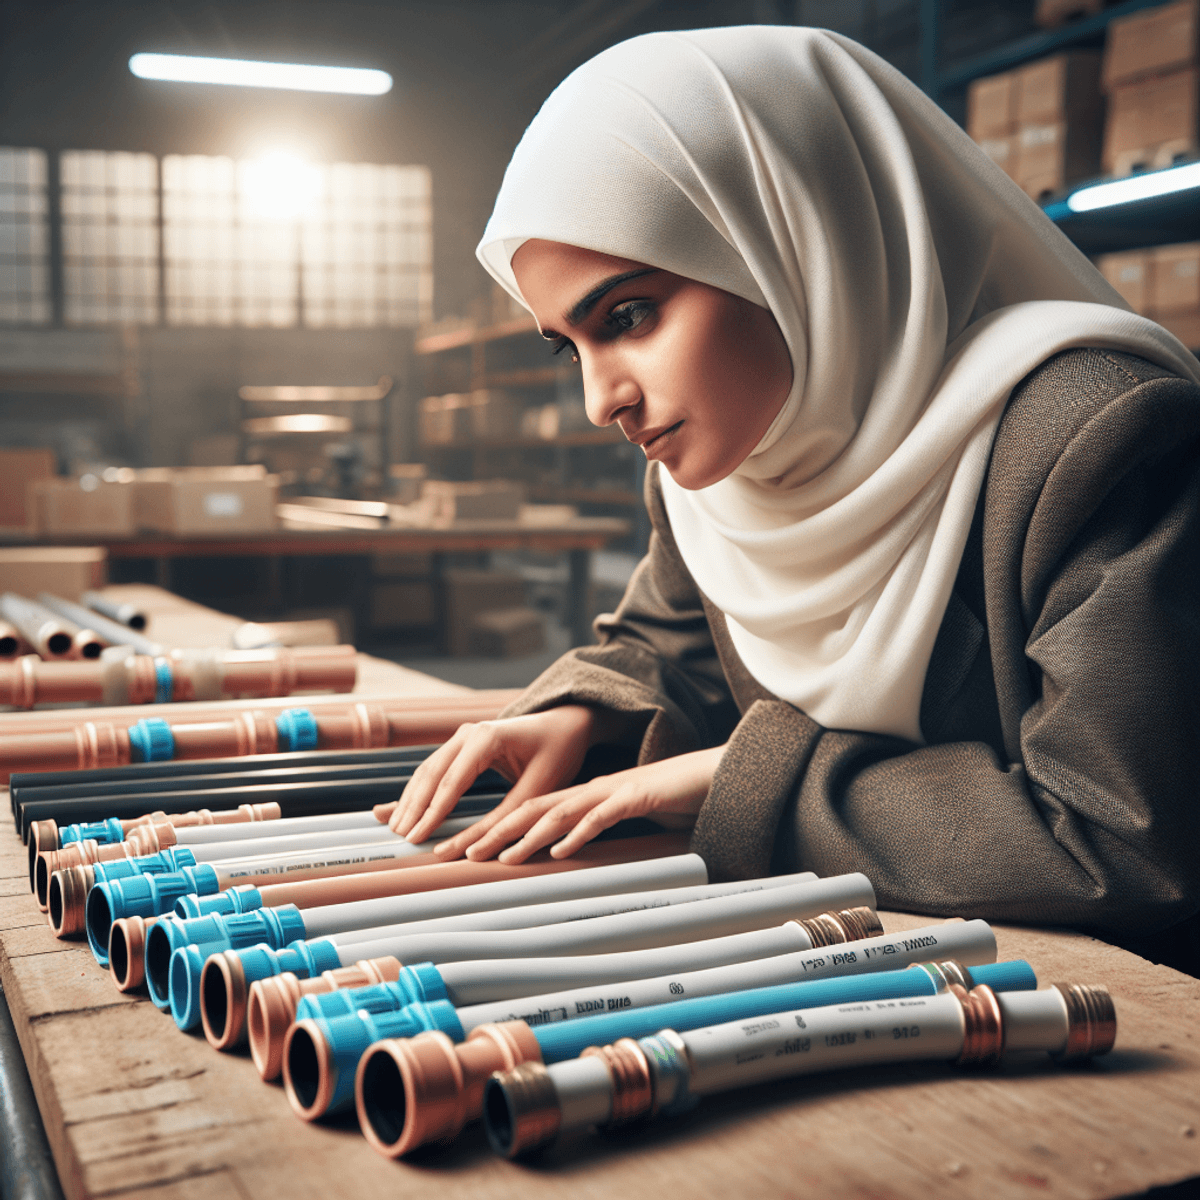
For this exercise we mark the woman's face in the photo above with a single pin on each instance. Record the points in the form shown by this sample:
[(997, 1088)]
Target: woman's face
[(692, 374)]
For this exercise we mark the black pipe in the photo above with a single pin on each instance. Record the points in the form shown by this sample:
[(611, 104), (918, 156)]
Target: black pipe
[(217, 766), (26, 1167), (294, 799), (200, 783)]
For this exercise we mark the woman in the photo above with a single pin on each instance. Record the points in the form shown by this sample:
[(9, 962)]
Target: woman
[(921, 594)]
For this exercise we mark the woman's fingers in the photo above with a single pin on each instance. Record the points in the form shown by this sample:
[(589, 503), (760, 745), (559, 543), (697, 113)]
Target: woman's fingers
[(439, 782)]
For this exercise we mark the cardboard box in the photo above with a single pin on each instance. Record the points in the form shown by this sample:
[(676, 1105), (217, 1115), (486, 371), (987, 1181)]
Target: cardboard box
[(991, 111), (18, 469), (1060, 87), (1051, 13), (483, 500), (205, 500), (469, 593), (88, 505), (405, 480), (1151, 42), (1129, 273), (1185, 326), (1050, 157), (445, 420), (1175, 279), (398, 605), (1002, 151), (508, 633), (495, 416), (66, 571), (1152, 122)]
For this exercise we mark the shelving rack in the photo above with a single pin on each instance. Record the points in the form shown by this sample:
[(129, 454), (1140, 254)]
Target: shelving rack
[(1159, 221), (580, 465)]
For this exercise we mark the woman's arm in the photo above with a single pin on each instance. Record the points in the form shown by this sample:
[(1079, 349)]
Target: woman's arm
[(652, 686)]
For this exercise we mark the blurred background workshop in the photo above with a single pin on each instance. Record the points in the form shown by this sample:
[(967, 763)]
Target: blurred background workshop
[(267, 426)]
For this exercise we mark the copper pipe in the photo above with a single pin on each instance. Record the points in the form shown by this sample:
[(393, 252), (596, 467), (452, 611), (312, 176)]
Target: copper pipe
[(104, 744), (475, 706), (138, 678)]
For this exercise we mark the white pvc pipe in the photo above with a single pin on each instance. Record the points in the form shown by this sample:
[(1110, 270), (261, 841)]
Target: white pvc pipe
[(276, 867), (836, 1037), (627, 931), (366, 920), (967, 942), (226, 851), (474, 982), (202, 835)]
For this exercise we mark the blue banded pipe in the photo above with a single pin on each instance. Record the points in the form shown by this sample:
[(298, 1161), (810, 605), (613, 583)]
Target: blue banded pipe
[(175, 959), (104, 832), (323, 1052)]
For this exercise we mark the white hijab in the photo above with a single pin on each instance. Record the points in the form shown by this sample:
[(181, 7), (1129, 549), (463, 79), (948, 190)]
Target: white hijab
[(914, 283)]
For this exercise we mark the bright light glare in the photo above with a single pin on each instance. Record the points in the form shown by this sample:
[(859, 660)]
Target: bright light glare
[(241, 72), (1135, 187), (280, 187)]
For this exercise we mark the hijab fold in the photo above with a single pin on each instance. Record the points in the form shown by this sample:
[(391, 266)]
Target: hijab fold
[(915, 286)]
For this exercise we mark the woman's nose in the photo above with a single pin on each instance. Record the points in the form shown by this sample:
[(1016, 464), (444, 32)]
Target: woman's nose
[(606, 391)]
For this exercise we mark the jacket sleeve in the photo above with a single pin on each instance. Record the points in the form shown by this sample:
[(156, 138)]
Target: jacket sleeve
[(1083, 809), (655, 661)]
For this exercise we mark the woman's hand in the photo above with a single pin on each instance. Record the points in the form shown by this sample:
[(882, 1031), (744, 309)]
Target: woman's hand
[(537, 753), (670, 791)]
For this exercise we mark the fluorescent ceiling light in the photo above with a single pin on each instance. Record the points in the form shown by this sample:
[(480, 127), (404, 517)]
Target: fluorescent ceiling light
[(1135, 187), (241, 72)]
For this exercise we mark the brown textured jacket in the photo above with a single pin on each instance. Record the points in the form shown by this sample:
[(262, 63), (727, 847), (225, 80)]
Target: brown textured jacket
[(1060, 779)]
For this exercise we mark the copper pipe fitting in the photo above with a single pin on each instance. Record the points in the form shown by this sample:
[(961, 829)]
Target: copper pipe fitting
[(983, 1025), (67, 900), (632, 1084), (127, 951), (848, 925), (412, 1091), (1091, 1020), (270, 1009)]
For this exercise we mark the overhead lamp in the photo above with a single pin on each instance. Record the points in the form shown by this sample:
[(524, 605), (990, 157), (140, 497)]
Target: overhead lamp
[(243, 72), (1135, 187)]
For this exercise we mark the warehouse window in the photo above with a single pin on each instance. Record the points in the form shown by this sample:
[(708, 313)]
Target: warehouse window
[(272, 241), (366, 249), (109, 236), (226, 263), (24, 237)]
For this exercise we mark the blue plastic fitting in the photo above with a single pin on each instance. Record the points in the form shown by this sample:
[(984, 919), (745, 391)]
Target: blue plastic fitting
[(568, 1039), (164, 681), (348, 1038), (151, 740), (232, 900), (103, 832), (140, 896), (176, 951), (418, 984), (162, 862), (297, 729)]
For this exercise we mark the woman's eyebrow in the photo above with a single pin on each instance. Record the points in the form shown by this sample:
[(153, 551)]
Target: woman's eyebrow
[(585, 306)]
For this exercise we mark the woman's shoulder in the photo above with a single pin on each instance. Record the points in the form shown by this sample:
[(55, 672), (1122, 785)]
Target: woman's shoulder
[(1092, 403), (1057, 400)]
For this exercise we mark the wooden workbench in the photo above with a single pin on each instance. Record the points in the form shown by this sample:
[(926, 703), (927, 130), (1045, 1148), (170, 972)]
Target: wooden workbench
[(575, 537), (134, 1108)]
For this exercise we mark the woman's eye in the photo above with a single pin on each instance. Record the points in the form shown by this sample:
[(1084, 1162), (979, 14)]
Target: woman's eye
[(629, 315)]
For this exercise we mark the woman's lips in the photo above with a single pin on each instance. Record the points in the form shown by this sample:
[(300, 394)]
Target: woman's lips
[(655, 442)]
